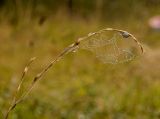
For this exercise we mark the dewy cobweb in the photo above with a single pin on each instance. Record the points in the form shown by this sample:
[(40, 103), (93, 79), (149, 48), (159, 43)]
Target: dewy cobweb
[(111, 45)]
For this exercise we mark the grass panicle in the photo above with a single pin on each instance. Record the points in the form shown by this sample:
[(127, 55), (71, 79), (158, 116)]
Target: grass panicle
[(67, 50)]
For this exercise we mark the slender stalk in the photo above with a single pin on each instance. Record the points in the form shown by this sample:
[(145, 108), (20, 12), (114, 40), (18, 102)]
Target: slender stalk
[(67, 50), (36, 78), (15, 98)]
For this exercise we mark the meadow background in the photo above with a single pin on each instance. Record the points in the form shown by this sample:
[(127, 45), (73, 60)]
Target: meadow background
[(79, 86)]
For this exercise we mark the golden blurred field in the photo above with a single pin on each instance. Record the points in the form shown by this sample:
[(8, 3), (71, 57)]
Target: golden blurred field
[(79, 86)]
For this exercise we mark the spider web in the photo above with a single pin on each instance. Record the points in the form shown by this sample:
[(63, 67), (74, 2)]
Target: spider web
[(110, 46)]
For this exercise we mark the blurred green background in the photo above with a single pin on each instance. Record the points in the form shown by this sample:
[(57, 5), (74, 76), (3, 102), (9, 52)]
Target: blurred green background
[(79, 86)]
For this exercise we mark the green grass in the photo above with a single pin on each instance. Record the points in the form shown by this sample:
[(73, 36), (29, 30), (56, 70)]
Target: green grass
[(79, 86)]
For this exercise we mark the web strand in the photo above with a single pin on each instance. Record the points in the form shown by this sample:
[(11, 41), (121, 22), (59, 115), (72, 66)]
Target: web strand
[(111, 46)]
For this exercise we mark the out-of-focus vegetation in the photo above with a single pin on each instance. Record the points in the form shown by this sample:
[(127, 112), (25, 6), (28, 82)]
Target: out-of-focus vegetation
[(79, 86)]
